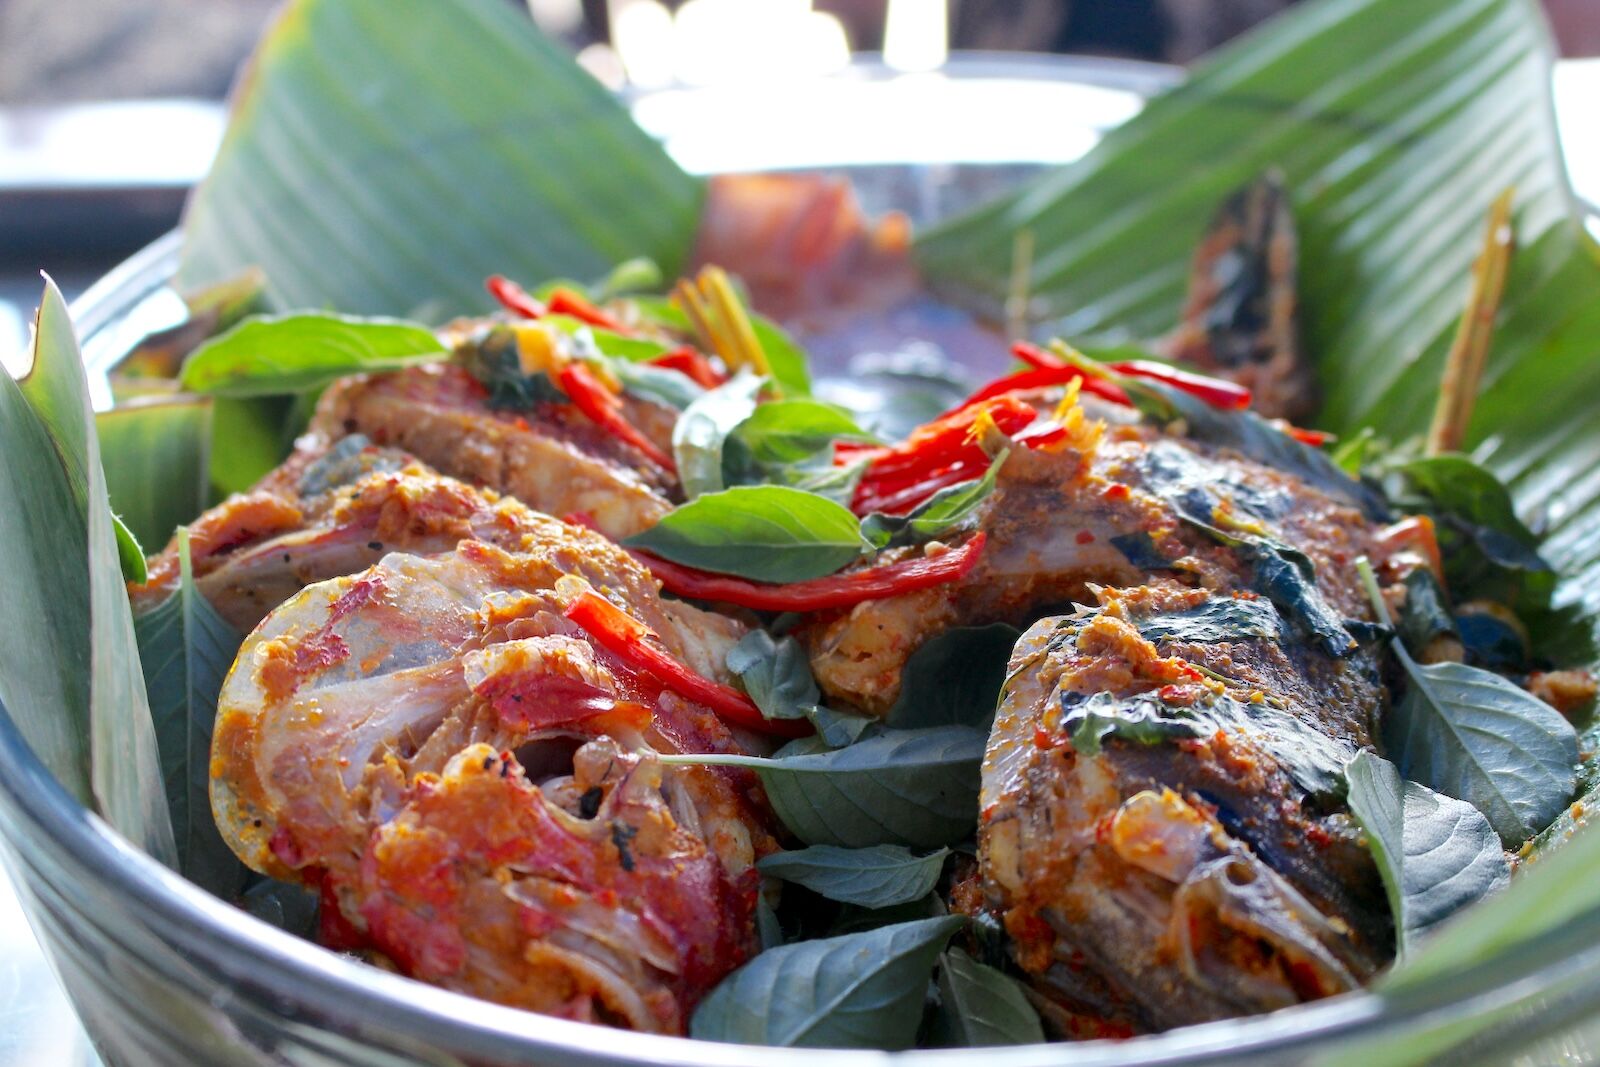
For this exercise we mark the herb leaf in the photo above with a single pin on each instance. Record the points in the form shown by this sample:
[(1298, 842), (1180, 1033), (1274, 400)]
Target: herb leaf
[(1477, 737), (861, 990), (185, 650), (699, 432), (1220, 618), (278, 354), (1436, 854), (155, 456), (769, 533), (894, 787), (879, 876), (955, 678), (981, 1007), (1474, 736), (948, 510), (776, 675), (1254, 437), (786, 432)]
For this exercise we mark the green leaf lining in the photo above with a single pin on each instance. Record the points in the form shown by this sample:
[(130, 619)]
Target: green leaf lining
[(1436, 855), (361, 171), (878, 876), (861, 990)]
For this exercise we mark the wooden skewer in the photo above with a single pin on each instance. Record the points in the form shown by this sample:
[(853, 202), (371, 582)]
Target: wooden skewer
[(1469, 352)]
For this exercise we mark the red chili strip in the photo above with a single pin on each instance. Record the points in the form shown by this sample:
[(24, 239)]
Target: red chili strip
[(1044, 378), (900, 501), (835, 591), (1038, 358), (692, 365), (1314, 438), (513, 297), (948, 439), (631, 641), (601, 405), (564, 301), (1218, 392)]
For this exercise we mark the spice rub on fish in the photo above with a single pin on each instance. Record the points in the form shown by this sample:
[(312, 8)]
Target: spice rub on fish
[(492, 417), (1161, 833), (472, 782), (1111, 503)]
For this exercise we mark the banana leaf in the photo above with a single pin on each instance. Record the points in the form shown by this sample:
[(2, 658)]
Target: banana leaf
[(154, 450), (1396, 123), (69, 668), (385, 156)]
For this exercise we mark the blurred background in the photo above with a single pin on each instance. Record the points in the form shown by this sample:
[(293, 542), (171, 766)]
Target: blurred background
[(111, 109)]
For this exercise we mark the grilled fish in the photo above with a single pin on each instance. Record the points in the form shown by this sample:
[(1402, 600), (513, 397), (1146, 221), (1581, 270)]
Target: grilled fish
[(473, 785)]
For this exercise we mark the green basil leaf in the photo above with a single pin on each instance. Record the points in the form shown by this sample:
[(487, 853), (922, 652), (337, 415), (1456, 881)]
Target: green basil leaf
[(185, 651), (1474, 736), (665, 387), (1219, 619), (637, 275), (605, 342), (917, 788), (1142, 719), (982, 1007), (1314, 760), (955, 678), (768, 533), (861, 990), (1436, 855), (768, 928), (775, 674), (785, 433), (950, 509), (790, 366), (699, 432), (878, 876), (278, 354), (1487, 550)]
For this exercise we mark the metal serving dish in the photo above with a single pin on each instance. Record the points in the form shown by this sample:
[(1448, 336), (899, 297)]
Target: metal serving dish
[(163, 973)]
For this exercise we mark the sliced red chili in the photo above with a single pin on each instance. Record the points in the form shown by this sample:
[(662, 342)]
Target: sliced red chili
[(602, 406), (1306, 436), (948, 439), (632, 642), (1218, 392), (692, 365), (513, 297), (1044, 378), (1037, 357), (835, 591), (564, 301), (892, 501)]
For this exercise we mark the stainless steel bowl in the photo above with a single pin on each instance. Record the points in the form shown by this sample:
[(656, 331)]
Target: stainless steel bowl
[(163, 973)]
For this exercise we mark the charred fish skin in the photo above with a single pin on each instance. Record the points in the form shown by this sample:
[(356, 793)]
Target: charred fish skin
[(1117, 507), (1164, 847), (1241, 316)]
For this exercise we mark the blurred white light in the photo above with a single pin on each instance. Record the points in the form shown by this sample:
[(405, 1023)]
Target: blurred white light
[(603, 63), (557, 16), (16, 342), (916, 34), (642, 32), (822, 43)]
